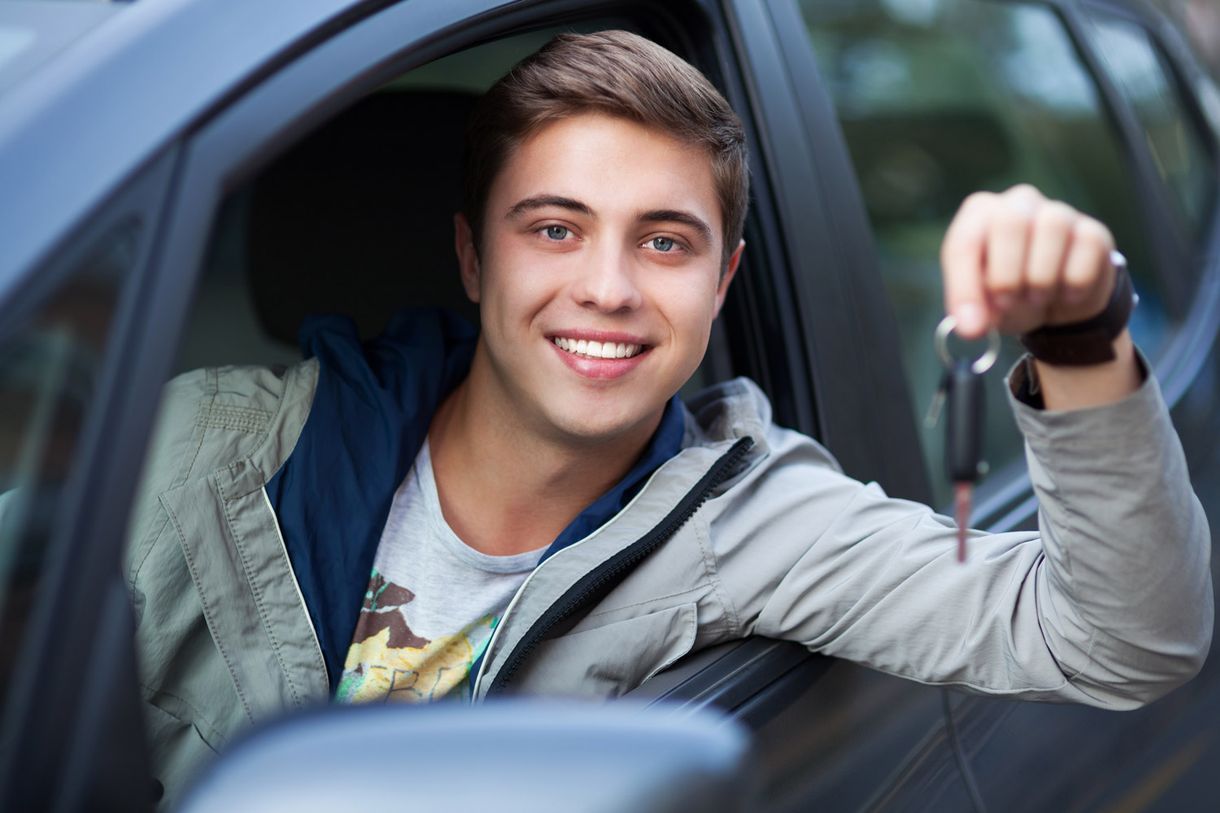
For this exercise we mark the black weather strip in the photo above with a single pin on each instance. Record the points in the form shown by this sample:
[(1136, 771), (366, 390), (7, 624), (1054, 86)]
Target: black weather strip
[(955, 745)]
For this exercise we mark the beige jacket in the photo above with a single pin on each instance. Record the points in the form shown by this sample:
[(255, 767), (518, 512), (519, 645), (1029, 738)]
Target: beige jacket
[(750, 530)]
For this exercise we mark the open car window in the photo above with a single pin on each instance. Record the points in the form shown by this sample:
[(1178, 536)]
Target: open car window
[(356, 218)]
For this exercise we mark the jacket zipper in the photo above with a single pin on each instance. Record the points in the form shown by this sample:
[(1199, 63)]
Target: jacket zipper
[(618, 566)]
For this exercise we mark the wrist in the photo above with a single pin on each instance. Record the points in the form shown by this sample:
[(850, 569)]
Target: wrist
[(1068, 387), (1090, 341)]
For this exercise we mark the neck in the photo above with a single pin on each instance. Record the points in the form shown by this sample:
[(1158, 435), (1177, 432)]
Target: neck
[(505, 487)]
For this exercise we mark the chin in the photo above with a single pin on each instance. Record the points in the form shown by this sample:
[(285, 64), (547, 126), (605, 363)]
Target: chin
[(581, 428)]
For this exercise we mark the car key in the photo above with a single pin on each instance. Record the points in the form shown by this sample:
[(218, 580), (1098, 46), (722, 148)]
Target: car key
[(964, 405), (962, 396)]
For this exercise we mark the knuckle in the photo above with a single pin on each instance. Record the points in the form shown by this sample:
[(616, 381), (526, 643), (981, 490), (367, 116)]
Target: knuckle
[(1080, 274), (976, 201), (1012, 219), (1057, 217), (1091, 234), (1026, 191)]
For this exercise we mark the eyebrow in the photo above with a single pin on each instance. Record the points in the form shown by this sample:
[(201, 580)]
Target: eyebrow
[(677, 216), (571, 204), (542, 201)]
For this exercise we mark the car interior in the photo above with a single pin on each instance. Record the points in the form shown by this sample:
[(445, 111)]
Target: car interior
[(357, 219)]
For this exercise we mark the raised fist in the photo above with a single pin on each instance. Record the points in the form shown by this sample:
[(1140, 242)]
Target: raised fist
[(1017, 261)]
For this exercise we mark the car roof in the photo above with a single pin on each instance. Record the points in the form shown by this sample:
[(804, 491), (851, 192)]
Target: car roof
[(33, 33), (109, 89)]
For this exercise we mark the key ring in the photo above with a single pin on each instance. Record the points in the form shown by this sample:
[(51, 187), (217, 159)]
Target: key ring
[(981, 364)]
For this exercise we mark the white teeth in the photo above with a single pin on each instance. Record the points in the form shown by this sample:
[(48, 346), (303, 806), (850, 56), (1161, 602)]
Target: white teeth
[(593, 349)]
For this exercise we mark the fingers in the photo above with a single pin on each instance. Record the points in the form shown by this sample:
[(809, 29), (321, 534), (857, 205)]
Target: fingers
[(1052, 235), (1016, 261), (1008, 244), (962, 257), (1087, 272)]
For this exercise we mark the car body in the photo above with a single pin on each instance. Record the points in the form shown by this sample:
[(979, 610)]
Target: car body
[(170, 168)]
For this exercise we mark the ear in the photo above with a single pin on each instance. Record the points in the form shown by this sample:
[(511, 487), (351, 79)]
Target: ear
[(730, 270), (467, 256)]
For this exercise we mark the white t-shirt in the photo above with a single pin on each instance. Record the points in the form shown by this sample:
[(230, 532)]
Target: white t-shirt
[(432, 603)]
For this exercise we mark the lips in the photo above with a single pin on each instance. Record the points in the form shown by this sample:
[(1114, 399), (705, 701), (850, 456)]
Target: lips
[(599, 355), (591, 348)]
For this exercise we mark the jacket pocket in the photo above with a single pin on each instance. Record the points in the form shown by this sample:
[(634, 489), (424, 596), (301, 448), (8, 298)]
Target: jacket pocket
[(613, 658)]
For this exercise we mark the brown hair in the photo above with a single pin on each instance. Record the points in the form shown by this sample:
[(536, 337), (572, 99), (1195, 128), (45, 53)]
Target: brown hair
[(617, 73)]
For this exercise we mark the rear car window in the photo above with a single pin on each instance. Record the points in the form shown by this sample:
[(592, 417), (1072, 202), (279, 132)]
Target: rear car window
[(1181, 156), (937, 100)]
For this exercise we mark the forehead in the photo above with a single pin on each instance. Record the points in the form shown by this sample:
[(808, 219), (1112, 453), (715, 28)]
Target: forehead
[(611, 164)]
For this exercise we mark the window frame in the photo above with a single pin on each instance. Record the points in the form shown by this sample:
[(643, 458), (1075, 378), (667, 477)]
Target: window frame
[(66, 727), (847, 328)]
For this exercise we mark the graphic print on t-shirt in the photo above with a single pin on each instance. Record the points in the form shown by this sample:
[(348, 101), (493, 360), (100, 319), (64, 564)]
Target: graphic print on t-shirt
[(432, 602), (387, 661)]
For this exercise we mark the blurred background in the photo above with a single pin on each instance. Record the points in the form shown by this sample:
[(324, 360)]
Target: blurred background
[(1200, 19)]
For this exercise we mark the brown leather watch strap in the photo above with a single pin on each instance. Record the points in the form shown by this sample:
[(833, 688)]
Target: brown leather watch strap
[(1089, 341)]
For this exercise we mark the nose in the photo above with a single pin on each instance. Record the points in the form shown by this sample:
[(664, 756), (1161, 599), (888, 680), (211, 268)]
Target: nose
[(607, 281)]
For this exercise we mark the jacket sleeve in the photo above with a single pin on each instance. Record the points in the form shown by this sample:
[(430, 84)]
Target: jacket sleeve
[(1110, 605)]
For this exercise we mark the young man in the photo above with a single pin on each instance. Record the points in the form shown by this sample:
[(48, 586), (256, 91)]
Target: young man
[(533, 510)]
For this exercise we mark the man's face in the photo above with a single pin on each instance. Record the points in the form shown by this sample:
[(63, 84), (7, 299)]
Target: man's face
[(599, 277)]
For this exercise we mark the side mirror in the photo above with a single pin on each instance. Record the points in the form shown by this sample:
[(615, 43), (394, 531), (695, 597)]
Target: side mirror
[(522, 755)]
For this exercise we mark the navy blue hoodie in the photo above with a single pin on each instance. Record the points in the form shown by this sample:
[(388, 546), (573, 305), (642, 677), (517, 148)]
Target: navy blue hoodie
[(368, 420)]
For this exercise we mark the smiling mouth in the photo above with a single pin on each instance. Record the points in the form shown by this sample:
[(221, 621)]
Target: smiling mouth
[(597, 350)]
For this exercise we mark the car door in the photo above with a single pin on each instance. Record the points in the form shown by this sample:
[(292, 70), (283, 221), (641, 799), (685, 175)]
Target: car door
[(1097, 105)]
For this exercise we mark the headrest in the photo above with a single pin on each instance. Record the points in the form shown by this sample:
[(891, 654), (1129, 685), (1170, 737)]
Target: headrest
[(358, 218)]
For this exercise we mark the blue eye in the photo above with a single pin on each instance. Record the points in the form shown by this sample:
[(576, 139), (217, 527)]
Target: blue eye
[(662, 243), (556, 232)]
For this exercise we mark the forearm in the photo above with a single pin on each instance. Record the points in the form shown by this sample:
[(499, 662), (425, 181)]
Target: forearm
[(1126, 542)]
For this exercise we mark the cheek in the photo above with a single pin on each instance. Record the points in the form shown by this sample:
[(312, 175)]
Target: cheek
[(512, 295), (689, 300), (688, 306)]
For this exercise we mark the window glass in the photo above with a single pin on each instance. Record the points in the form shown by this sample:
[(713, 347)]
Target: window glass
[(48, 371), (1178, 151), (940, 98)]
